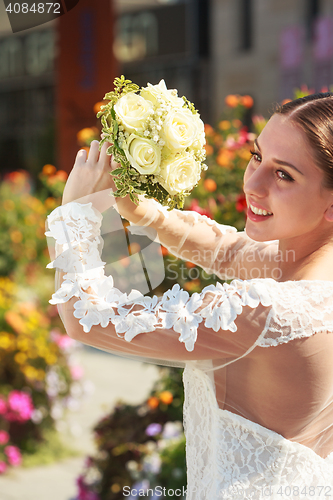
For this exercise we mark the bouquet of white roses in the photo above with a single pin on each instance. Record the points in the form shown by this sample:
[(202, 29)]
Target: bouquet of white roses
[(157, 138)]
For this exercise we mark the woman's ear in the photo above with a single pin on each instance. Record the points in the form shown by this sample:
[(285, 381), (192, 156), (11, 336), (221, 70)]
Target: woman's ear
[(329, 213)]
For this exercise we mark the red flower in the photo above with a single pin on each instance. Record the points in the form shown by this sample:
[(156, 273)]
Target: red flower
[(196, 208), (241, 205)]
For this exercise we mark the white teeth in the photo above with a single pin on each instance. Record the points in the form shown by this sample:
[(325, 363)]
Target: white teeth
[(259, 211)]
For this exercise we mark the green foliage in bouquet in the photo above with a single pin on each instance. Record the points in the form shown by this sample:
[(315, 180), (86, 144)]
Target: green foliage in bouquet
[(148, 164)]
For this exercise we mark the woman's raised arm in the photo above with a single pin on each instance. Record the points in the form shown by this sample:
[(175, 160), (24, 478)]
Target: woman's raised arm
[(95, 312)]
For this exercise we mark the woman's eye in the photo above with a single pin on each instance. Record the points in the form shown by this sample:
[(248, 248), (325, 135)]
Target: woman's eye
[(283, 176), (255, 156)]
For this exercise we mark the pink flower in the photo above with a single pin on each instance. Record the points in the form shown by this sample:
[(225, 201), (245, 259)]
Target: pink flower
[(14, 455), (4, 437), (3, 405), (20, 406), (84, 492), (76, 372), (65, 342), (3, 467)]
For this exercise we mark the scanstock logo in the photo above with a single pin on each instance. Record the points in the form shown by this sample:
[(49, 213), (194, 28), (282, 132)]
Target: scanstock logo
[(133, 259), (25, 14), (131, 256)]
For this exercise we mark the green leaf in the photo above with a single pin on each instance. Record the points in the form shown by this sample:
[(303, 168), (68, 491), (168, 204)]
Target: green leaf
[(115, 126), (118, 171), (104, 122)]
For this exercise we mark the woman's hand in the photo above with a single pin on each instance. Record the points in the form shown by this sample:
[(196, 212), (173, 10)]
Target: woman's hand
[(90, 177), (91, 181)]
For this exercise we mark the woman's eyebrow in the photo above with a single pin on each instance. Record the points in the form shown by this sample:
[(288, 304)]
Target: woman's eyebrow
[(280, 162)]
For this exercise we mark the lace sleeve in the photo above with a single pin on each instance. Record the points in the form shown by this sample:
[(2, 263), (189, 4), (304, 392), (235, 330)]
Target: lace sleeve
[(299, 310), (89, 301), (217, 248), (261, 310)]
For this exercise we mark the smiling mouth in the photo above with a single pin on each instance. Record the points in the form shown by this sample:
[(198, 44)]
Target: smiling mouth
[(259, 211)]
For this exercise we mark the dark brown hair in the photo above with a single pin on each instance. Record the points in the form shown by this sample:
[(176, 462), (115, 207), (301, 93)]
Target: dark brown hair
[(313, 114)]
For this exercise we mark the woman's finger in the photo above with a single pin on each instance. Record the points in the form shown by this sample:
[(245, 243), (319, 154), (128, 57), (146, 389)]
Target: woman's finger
[(94, 152), (81, 157), (104, 158)]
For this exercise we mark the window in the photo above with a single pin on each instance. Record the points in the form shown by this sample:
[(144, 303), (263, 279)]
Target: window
[(312, 13), (246, 24)]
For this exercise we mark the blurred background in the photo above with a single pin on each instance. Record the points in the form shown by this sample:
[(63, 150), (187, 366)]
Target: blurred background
[(64, 433), (52, 75)]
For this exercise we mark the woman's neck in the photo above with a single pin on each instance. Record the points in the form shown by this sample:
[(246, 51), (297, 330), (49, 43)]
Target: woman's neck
[(307, 258)]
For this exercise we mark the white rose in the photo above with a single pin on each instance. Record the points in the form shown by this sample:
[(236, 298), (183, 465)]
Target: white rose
[(179, 173), (180, 129), (201, 136), (133, 111), (143, 154), (154, 92)]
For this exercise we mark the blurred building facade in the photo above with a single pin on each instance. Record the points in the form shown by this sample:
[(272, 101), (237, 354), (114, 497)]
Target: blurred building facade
[(266, 48), (204, 48)]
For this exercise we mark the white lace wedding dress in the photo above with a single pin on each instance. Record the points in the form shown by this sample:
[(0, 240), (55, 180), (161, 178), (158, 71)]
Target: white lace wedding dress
[(258, 353)]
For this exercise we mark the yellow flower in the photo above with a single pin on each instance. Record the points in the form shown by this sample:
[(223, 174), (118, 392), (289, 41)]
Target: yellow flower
[(86, 134), (166, 397), (51, 359), (30, 372), (20, 358), (224, 125), (7, 341)]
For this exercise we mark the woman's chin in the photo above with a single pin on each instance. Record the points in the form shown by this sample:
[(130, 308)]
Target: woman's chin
[(256, 235)]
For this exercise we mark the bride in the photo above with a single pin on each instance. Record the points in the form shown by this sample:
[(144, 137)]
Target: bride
[(258, 352)]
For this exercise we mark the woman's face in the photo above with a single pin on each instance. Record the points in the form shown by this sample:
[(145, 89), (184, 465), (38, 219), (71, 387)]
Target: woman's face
[(283, 179)]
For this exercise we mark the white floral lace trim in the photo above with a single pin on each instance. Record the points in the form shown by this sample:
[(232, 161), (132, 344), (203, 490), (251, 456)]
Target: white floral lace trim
[(299, 308), (76, 229)]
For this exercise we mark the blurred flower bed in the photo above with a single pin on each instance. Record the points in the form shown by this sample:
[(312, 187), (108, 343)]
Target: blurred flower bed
[(39, 375), (139, 447)]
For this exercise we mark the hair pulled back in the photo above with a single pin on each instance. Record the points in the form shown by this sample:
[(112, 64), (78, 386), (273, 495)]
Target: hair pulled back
[(313, 114)]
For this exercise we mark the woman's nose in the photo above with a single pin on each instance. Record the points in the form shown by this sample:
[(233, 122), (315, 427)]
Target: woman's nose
[(255, 182)]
